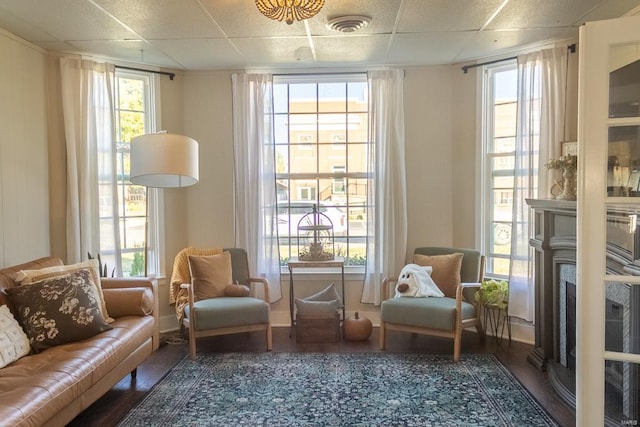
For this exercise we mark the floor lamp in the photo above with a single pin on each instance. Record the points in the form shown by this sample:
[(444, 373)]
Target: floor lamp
[(162, 160)]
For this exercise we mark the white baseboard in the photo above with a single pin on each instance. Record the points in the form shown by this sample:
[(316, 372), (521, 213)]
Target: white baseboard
[(168, 324), (521, 331), (283, 318)]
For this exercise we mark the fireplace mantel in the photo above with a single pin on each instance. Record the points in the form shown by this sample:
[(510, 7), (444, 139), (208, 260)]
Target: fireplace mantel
[(554, 240), (555, 243)]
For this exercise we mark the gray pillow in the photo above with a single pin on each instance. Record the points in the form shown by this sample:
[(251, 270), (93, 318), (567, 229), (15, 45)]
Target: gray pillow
[(327, 294), (306, 306)]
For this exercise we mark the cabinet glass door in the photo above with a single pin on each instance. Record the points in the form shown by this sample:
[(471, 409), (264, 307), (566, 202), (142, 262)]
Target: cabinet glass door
[(608, 259)]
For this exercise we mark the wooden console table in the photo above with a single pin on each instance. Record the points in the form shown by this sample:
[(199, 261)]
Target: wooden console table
[(337, 262)]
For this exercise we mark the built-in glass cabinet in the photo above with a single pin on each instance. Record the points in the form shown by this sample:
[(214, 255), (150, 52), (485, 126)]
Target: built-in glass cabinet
[(623, 162)]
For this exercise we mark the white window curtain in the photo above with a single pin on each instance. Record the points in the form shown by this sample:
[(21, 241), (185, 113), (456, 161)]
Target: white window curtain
[(254, 176), (539, 130), (87, 103), (387, 217)]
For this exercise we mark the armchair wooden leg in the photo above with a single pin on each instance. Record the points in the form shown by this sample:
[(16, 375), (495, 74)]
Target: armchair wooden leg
[(269, 338), (480, 330), (382, 335), (192, 342), (457, 343)]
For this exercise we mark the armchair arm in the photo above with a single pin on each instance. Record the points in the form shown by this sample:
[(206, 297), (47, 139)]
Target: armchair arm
[(264, 282), (385, 287), (467, 292), (190, 294)]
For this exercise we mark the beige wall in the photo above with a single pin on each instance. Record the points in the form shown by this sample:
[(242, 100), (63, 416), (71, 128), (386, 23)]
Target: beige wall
[(24, 192), (466, 149)]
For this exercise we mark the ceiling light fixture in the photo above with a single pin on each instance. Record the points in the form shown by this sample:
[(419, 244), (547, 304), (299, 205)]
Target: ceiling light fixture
[(289, 9)]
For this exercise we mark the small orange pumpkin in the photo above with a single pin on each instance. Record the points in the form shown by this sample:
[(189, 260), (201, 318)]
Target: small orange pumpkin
[(357, 328)]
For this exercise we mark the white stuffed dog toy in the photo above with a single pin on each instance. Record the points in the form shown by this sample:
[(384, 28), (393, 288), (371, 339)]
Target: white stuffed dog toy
[(416, 281)]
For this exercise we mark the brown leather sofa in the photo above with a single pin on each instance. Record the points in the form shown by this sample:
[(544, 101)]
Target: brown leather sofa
[(55, 385)]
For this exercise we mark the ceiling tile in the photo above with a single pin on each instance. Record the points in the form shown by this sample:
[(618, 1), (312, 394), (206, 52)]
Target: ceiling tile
[(201, 54), (68, 19), (275, 52), (243, 19), (426, 48), (22, 28), (136, 51), (486, 43), (351, 49), (163, 19), (446, 15), (610, 9), (541, 13)]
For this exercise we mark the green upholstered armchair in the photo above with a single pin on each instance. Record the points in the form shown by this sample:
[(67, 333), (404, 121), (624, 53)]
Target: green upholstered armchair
[(228, 314), (443, 317)]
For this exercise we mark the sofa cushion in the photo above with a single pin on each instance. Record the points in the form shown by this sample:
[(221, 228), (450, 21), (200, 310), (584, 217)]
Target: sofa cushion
[(36, 387), (27, 277), (446, 270), (14, 343), (210, 274), (59, 310)]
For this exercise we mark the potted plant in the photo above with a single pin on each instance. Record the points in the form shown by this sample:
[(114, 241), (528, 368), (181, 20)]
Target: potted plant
[(494, 293)]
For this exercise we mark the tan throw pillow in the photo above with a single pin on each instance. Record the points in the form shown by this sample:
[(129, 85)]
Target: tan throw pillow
[(27, 277), (446, 270), (129, 301), (237, 290), (210, 275), (14, 343)]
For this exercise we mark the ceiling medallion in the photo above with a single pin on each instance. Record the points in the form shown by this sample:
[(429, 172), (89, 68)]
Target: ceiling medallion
[(289, 9)]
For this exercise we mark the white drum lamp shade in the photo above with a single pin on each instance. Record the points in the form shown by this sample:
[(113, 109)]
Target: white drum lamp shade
[(164, 160)]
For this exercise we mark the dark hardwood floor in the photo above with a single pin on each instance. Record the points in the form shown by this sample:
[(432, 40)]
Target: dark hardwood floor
[(127, 393)]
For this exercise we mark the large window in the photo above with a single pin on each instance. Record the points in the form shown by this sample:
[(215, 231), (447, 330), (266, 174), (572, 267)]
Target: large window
[(500, 95), (134, 115), (321, 137)]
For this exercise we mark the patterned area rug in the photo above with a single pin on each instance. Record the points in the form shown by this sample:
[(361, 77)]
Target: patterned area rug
[(338, 389)]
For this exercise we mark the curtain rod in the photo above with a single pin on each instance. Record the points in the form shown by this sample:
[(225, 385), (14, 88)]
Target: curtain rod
[(171, 75), (571, 48)]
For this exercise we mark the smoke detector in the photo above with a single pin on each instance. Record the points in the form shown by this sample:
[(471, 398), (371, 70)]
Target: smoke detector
[(348, 23)]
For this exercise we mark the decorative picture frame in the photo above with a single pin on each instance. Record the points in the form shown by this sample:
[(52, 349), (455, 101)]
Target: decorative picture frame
[(570, 148)]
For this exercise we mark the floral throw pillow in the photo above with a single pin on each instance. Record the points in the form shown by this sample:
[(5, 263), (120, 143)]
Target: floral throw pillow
[(59, 310)]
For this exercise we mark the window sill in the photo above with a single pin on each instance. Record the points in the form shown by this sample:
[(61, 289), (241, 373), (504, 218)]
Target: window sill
[(350, 273)]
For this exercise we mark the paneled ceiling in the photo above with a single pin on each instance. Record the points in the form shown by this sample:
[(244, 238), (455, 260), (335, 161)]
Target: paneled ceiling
[(229, 34)]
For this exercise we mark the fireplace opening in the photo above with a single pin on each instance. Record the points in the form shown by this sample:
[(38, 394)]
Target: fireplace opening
[(571, 325)]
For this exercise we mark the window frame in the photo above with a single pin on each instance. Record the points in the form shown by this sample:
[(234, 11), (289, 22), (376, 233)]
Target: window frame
[(488, 190), (153, 214), (319, 175)]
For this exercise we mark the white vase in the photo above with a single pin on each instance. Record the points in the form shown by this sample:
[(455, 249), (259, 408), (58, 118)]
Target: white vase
[(568, 185)]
